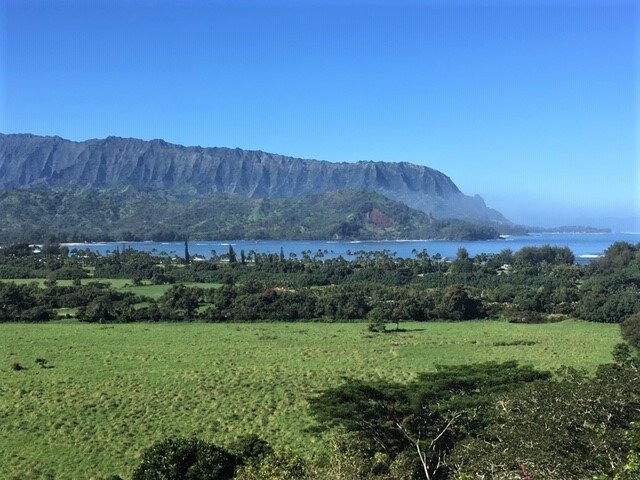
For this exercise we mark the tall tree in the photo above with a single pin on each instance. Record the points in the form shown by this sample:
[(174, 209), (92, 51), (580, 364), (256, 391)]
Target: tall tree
[(187, 257)]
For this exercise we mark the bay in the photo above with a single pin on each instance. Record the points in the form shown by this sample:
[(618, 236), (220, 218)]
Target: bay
[(585, 246)]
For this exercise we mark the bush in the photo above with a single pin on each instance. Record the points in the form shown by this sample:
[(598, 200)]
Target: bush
[(630, 328), (250, 448), (377, 318), (37, 314), (527, 317), (457, 304), (280, 465), (185, 459), (68, 273)]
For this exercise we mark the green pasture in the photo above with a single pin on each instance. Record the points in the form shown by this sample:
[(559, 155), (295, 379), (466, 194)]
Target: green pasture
[(125, 284), (112, 390)]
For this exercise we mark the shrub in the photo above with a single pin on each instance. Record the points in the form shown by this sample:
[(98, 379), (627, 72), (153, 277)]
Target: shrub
[(377, 319), (185, 459), (37, 314), (630, 328), (250, 448), (280, 465), (527, 317), (68, 273), (457, 304), (43, 363)]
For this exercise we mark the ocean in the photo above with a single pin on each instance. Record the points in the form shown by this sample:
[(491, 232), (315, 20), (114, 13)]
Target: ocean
[(585, 246)]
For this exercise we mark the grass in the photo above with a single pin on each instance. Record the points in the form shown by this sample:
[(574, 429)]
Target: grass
[(114, 389), (124, 284)]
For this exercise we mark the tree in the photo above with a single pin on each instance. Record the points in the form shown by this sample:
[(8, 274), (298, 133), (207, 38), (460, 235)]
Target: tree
[(51, 248), (574, 426), (457, 304), (377, 318), (397, 314), (232, 254), (425, 418), (243, 259), (180, 297), (630, 328), (187, 257), (631, 469), (462, 264), (185, 459), (100, 310)]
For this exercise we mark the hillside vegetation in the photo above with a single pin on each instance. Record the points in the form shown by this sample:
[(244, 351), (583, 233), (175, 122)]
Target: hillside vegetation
[(100, 215)]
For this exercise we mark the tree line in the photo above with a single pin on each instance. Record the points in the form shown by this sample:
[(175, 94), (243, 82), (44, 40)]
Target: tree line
[(535, 284)]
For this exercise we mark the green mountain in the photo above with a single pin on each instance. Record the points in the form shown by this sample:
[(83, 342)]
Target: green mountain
[(128, 214), (31, 161)]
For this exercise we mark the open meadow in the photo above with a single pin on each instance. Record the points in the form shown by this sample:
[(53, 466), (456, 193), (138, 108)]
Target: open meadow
[(121, 284), (106, 392)]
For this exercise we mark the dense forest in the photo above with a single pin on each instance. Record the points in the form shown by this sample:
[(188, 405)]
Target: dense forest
[(76, 215)]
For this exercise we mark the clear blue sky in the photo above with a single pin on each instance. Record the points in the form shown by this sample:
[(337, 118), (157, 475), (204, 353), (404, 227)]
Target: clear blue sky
[(533, 105)]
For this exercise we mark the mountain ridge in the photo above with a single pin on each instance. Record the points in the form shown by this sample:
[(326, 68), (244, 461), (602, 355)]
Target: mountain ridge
[(32, 161)]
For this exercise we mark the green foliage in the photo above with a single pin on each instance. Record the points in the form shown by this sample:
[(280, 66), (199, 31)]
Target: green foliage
[(378, 318), (231, 255), (630, 328), (620, 255), (462, 263), (271, 287), (527, 317), (430, 415), (631, 470), (352, 459), (250, 448), (544, 256), (457, 304), (609, 299), (283, 464), (182, 300), (571, 427), (185, 459), (100, 215)]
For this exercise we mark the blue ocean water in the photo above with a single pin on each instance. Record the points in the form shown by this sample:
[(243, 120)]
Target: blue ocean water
[(585, 246)]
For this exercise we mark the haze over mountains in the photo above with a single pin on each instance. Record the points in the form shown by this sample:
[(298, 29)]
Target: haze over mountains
[(30, 161)]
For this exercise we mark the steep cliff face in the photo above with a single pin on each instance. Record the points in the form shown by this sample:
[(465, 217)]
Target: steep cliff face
[(28, 161)]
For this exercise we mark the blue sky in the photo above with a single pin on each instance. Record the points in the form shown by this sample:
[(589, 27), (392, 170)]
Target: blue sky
[(532, 105)]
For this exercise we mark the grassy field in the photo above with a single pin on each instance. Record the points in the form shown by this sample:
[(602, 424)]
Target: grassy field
[(113, 390), (124, 284)]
